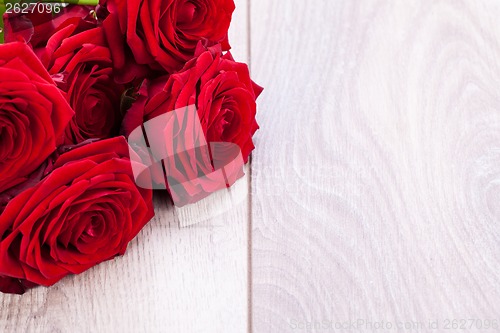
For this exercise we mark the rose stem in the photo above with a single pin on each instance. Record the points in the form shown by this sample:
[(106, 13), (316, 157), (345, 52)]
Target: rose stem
[(77, 2)]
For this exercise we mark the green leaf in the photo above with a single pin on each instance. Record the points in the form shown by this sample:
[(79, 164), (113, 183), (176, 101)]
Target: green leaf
[(2, 11), (76, 2)]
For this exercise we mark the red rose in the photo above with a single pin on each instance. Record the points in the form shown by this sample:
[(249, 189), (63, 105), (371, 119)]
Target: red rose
[(84, 212), (224, 96), (79, 60), (220, 88), (33, 114), (163, 34), (36, 26)]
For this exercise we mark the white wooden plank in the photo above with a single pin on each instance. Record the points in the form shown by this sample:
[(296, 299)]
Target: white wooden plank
[(171, 279), (376, 182)]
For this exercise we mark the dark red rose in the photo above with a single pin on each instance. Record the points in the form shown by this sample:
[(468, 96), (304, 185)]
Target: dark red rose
[(163, 34), (84, 212), (224, 97), (219, 87), (33, 114), (36, 26), (78, 58)]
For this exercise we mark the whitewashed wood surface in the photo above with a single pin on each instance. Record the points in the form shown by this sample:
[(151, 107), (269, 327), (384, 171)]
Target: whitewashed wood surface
[(376, 180), (375, 187), (171, 279)]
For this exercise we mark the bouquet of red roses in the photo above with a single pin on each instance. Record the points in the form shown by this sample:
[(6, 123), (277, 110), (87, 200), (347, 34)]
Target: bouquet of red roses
[(99, 106)]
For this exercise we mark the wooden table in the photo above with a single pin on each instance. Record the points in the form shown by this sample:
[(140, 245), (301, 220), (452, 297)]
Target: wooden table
[(373, 194)]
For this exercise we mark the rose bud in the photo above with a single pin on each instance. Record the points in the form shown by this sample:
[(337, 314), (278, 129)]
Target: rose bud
[(82, 213), (33, 114)]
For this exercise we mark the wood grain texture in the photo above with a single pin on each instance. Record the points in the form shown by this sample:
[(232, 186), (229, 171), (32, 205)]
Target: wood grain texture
[(376, 178), (171, 279)]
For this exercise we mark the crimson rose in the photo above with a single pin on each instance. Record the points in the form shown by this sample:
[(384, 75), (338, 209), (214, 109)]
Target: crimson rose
[(79, 59), (34, 26), (220, 88), (33, 114), (163, 34), (224, 96), (84, 212)]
